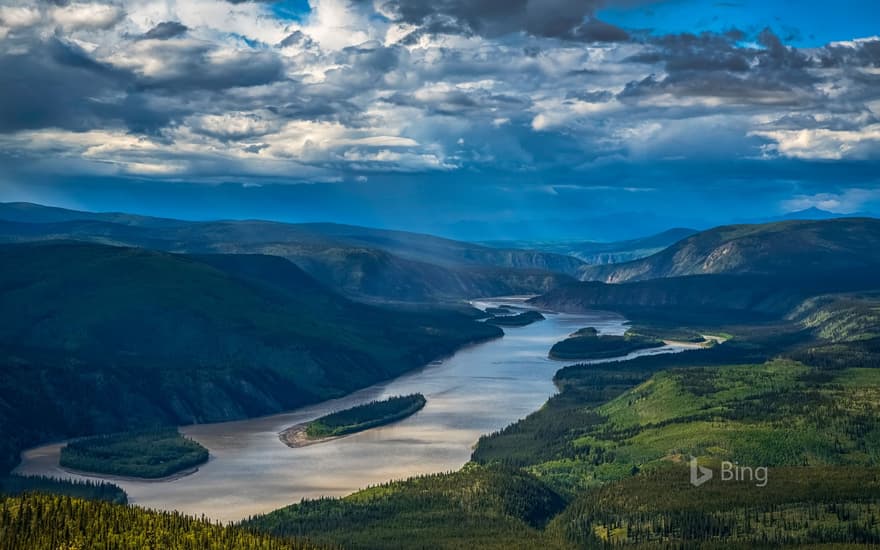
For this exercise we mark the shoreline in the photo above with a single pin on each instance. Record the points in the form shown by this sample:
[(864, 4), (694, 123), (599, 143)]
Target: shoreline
[(111, 477), (295, 436), (275, 483)]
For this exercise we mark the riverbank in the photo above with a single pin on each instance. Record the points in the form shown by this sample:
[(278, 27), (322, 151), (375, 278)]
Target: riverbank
[(296, 436), (480, 389)]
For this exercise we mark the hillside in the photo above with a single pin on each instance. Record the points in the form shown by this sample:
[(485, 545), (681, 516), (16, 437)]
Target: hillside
[(475, 507), (99, 338), (47, 522), (362, 262), (611, 448), (782, 248), (745, 273), (708, 298)]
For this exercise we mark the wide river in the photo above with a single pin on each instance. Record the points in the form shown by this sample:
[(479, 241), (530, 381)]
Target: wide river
[(479, 390)]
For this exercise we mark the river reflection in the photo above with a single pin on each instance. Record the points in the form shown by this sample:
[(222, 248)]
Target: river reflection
[(479, 390)]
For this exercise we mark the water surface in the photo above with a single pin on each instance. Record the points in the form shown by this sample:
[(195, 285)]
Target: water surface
[(479, 390)]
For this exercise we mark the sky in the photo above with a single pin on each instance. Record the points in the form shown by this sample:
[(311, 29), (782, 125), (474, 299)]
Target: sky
[(480, 119)]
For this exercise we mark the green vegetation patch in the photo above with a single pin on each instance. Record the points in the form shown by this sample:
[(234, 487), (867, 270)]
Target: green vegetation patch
[(51, 522), (178, 339), (476, 507), (147, 454), (615, 442), (798, 506), (518, 320), (780, 413), (364, 417), (92, 490), (588, 344)]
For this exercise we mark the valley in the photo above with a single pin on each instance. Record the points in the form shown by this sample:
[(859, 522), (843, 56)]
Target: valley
[(478, 390), (439, 275), (495, 442)]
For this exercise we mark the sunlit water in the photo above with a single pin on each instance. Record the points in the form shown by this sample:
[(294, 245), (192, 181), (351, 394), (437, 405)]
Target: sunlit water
[(478, 390)]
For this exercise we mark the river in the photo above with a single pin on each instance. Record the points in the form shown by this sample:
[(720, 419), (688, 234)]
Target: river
[(480, 389)]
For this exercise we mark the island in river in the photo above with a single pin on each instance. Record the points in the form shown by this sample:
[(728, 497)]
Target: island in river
[(353, 420), (147, 454), (519, 320), (587, 343)]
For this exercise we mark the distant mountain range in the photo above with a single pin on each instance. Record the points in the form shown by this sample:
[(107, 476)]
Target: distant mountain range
[(806, 214), (599, 253), (366, 263), (610, 227), (735, 272)]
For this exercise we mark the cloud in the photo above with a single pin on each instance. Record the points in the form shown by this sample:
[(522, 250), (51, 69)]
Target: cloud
[(57, 84), (164, 31), (78, 16), (504, 89), (569, 19), (717, 66), (823, 143), (187, 64), (20, 16), (848, 201)]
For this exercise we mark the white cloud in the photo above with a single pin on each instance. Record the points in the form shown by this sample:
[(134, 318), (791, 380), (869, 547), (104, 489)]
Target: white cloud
[(21, 16), (823, 144), (322, 105), (335, 24), (87, 16)]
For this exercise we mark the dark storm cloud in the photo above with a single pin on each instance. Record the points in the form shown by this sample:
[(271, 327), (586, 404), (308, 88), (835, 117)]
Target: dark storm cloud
[(600, 96), (568, 19), (362, 68), (866, 54), (297, 38), (58, 85), (714, 65), (191, 66), (164, 31), (599, 31), (459, 102)]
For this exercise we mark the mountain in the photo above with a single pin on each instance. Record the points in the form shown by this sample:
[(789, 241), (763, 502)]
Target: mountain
[(782, 248), (602, 226), (366, 263), (707, 299), (811, 213), (735, 273), (100, 338), (600, 253)]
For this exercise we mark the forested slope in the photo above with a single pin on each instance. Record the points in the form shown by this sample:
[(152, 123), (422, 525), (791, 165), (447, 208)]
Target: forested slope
[(101, 339)]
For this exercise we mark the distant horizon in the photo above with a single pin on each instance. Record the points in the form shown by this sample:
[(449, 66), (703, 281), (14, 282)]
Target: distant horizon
[(805, 215)]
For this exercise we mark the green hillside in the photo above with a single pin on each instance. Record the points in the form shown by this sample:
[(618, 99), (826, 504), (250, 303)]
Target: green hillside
[(45, 522), (476, 507), (102, 339), (614, 442)]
